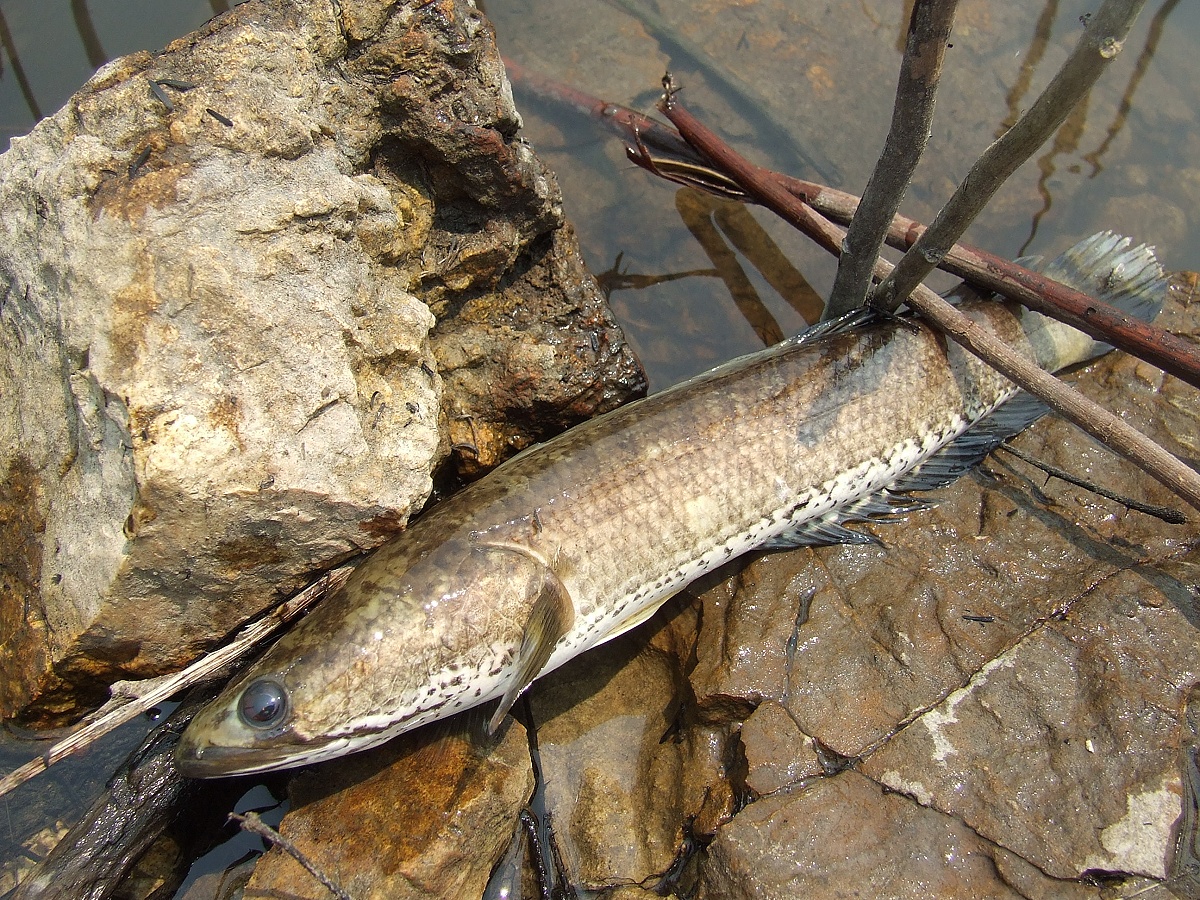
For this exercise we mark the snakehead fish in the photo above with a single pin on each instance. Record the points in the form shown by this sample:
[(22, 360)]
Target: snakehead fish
[(575, 541)]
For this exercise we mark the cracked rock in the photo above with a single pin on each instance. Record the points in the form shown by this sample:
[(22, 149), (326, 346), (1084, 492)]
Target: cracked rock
[(1066, 748), (609, 774), (845, 837)]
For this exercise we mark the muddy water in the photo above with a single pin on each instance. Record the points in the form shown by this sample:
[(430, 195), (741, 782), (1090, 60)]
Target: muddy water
[(802, 87)]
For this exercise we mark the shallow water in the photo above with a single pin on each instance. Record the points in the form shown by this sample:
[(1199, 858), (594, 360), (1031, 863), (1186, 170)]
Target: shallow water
[(824, 74), (702, 280)]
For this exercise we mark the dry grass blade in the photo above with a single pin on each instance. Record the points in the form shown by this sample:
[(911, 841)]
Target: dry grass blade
[(164, 688)]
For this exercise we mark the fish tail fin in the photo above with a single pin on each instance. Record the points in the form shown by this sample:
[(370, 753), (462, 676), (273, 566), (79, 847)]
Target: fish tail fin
[(1112, 269)]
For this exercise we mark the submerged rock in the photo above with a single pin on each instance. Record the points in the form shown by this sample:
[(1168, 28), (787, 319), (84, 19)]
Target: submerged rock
[(221, 363)]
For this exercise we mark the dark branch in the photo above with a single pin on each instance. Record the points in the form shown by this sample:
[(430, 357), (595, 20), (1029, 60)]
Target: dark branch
[(912, 119)]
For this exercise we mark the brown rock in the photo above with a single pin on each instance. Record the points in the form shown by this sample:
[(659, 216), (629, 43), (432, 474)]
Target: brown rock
[(845, 837), (1031, 882), (612, 773), (426, 815), (1066, 748), (778, 753), (529, 358)]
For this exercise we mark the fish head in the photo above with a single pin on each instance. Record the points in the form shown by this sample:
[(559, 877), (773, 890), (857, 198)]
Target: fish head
[(417, 633)]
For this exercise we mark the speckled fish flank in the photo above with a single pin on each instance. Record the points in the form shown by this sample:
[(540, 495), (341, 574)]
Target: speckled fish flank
[(575, 541)]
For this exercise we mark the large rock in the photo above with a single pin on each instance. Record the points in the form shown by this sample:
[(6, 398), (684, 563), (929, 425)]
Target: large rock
[(218, 369), (844, 837)]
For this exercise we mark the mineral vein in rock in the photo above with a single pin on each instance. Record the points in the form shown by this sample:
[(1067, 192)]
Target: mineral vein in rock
[(578, 540)]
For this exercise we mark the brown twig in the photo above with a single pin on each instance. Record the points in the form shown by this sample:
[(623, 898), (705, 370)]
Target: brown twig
[(255, 825), (743, 96), (1069, 403), (626, 123), (164, 688), (1166, 513), (929, 28)]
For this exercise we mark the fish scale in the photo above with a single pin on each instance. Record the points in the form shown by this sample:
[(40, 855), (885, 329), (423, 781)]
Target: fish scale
[(573, 542)]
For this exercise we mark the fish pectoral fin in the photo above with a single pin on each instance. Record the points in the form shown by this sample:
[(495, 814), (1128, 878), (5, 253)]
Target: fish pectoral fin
[(552, 616)]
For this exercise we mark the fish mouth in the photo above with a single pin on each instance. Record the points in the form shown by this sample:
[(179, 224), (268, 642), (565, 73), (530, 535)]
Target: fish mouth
[(198, 758)]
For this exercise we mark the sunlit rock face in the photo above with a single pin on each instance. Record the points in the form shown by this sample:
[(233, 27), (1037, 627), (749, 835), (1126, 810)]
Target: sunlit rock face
[(256, 287)]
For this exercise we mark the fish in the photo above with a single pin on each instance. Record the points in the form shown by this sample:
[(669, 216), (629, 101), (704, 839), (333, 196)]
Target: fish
[(575, 541)]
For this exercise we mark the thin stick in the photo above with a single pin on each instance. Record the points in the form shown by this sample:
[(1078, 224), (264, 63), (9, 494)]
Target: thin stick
[(255, 825), (164, 688), (929, 29), (1069, 403), (1166, 513), (1099, 45)]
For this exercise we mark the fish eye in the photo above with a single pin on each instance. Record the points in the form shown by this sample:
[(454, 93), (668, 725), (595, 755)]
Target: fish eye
[(263, 704)]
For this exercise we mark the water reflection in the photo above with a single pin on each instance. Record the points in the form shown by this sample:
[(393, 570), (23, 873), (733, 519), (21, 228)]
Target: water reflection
[(1153, 35), (87, 33), (791, 152), (716, 224), (1065, 143), (10, 50), (1069, 135), (1031, 59)]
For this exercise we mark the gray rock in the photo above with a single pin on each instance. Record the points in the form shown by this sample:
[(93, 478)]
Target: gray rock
[(218, 367)]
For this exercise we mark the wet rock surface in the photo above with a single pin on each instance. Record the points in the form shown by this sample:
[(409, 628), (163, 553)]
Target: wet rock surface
[(847, 837), (223, 367), (600, 730)]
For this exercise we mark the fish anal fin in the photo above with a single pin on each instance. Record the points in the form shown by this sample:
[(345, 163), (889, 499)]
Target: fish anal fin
[(550, 617), (641, 616)]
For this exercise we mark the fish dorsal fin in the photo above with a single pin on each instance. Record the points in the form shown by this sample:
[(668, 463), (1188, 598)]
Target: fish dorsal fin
[(551, 617), (859, 317)]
